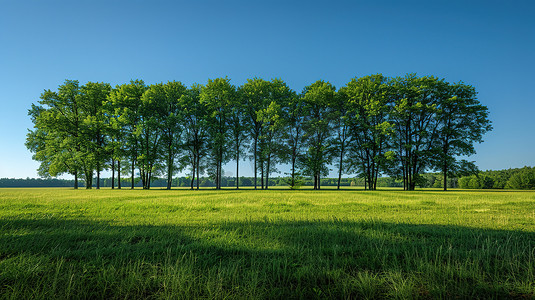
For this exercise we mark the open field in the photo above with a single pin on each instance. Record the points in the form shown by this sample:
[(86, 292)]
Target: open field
[(63, 243)]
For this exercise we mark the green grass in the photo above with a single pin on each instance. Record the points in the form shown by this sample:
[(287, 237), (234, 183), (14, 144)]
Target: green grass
[(62, 243)]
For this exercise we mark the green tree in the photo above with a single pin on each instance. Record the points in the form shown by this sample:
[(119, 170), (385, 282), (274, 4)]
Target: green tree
[(239, 128), (116, 135), (342, 129), (94, 127), (294, 137), (163, 121), (368, 101), (126, 99), (416, 128), (195, 116), (57, 138), (319, 98), (217, 95), (257, 96), (158, 130), (462, 121), (272, 148)]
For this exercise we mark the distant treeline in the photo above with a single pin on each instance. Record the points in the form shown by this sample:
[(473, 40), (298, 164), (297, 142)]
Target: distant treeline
[(520, 178), (186, 182), (36, 182), (374, 126)]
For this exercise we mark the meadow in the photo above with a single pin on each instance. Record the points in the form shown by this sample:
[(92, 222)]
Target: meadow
[(181, 244)]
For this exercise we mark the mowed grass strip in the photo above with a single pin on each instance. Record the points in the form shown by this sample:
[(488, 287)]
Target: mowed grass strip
[(63, 243)]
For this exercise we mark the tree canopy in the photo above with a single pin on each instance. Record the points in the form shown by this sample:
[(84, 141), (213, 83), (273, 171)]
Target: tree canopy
[(371, 127)]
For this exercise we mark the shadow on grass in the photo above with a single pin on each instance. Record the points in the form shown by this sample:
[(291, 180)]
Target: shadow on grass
[(289, 259)]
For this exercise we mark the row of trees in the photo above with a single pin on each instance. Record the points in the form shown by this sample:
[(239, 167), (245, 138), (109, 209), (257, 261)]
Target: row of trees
[(373, 125)]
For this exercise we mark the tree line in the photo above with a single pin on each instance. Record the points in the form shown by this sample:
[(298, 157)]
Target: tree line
[(519, 178), (182, 181), (373, 126)]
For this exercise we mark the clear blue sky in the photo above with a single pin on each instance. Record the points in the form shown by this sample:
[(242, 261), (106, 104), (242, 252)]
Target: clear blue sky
[(488, 44)]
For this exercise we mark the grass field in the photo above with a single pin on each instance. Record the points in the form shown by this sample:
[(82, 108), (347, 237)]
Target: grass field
[(63, 243)]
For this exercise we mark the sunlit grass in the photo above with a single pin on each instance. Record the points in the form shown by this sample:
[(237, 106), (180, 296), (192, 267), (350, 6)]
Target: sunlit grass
[(63, 243)]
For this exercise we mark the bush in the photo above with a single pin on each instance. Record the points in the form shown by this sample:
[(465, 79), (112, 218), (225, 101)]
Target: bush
[(474, 183)]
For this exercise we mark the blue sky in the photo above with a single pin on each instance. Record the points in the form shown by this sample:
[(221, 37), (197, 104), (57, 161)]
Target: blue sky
[(488, 44)]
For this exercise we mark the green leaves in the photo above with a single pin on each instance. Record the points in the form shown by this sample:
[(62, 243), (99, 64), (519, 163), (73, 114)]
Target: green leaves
[(401, 126)]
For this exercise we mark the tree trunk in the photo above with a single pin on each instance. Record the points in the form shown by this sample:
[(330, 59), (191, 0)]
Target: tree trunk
[(372, 176), (412, 184), (445, 177), (193, 167), (405, 173), (98, 176), (88, 180), (147, 174), (292, 182), (217, 176), (267, 171), (340, 168), (198, 167), (375, 179), (144, 181), (237, 168), (262, 175), (169, 172), (119, 174), (75, 180), (413, 174), (404, 177), (255, 165), (445, 169), (112, 174), (133, 171), (149, 178)]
